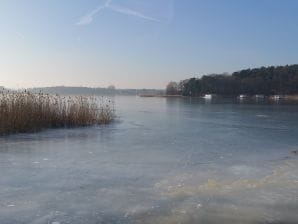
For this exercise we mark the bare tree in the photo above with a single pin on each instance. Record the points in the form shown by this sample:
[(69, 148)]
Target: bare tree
[(172, 88)]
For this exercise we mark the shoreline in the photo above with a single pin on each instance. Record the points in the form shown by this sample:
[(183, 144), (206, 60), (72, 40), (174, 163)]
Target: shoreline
[(270, 97)]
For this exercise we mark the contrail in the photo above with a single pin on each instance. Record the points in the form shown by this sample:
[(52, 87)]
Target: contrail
[(108, 2), (131, 12), (88, 18)]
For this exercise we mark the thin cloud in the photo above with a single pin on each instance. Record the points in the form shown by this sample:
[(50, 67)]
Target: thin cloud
[(88, 18)]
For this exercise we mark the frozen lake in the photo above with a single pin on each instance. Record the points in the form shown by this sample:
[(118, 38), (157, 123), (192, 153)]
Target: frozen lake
[(163, 161)]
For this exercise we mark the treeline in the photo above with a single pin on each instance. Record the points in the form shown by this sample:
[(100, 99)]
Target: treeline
[(280, 80)]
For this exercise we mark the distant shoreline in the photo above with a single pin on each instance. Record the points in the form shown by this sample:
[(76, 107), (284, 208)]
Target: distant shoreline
[(272, 97), (152, 95)]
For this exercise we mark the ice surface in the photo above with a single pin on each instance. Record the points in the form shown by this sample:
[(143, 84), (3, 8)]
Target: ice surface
[(182, 161)]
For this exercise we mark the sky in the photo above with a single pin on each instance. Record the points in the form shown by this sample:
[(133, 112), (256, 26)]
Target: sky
[(140, 43)]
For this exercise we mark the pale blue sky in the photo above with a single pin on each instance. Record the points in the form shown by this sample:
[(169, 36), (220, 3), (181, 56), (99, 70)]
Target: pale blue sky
[(140, 43)]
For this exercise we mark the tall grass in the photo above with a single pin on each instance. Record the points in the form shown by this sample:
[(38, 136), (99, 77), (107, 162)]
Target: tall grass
[(22, 112)]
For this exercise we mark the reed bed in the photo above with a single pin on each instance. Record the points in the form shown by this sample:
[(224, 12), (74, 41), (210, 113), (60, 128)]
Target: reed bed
[(23, 112)]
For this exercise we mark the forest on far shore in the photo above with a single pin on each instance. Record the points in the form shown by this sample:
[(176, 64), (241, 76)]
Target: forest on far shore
[(279, 80)]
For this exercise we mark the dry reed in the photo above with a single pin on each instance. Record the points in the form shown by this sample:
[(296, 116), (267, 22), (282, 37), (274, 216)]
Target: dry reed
[(22, 112)]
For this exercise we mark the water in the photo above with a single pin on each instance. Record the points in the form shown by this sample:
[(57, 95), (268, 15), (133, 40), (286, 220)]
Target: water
[(162, 161)]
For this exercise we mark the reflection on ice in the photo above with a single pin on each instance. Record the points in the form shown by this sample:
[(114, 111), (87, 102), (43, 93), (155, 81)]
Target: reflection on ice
[(237, 201), (284, 176)]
